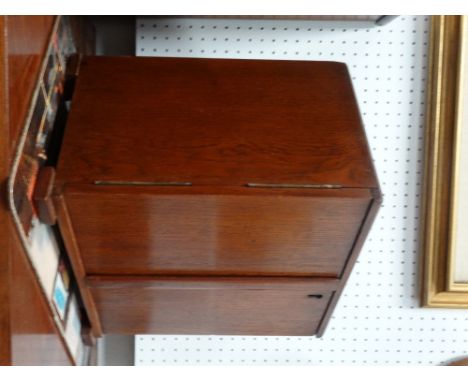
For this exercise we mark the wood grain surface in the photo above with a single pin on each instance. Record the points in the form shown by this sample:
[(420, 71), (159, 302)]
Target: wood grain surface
[(241, 306), (27, 41), (195, 230), (215, 122)]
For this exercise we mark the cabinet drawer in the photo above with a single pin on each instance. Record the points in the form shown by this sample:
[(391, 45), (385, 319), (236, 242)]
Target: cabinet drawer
[(211, 305), (197, 230)]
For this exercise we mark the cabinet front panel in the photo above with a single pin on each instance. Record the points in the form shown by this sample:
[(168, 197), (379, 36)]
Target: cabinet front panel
[(244, 307), (265, 233)]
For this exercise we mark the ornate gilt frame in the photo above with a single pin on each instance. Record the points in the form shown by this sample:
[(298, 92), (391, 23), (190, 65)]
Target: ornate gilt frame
[(449, 37)]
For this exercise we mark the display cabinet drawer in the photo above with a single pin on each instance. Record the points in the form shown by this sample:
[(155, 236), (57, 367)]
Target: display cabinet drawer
[(203, 231), (211, 305)]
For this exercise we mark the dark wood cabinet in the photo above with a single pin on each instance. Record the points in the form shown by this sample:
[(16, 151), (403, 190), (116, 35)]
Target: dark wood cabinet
[(203, 196)]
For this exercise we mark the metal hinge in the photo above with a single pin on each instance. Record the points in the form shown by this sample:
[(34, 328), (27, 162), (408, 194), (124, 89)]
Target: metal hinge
[(129, 183), (286, 185)]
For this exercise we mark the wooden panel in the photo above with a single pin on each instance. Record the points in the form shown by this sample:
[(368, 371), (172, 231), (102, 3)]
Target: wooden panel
[(194, 230), (238, 306), (215, 122), (28, 37)]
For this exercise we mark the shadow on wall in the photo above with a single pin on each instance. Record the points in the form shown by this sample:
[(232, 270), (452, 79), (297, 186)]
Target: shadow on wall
[(116, 350)]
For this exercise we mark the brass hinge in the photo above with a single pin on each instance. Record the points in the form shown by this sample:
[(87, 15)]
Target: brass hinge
[(129, 183), (287, 185)]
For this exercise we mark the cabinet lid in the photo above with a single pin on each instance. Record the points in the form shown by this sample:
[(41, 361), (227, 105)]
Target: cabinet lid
[(215, 122)]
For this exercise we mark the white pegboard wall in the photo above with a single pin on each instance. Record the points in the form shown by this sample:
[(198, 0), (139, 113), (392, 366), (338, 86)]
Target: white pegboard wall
[(378, 319)]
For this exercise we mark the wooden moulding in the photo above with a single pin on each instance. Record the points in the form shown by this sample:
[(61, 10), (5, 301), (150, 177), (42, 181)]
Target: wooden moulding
[(448, 36), (66, 230)]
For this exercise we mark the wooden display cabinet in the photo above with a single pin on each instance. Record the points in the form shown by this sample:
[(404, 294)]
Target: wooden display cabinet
[(206, 196)]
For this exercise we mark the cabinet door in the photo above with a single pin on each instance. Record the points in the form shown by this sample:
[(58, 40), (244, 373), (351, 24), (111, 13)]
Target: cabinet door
[(211, 305), (202, 231)]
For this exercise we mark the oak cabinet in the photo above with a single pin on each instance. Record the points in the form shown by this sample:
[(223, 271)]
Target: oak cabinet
[(213, 196)]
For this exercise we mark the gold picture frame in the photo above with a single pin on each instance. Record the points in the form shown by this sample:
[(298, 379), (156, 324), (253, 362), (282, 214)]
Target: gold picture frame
[(446, 87)]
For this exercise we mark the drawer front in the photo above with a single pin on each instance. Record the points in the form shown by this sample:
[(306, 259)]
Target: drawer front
[(179, 232), (234, 306)]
